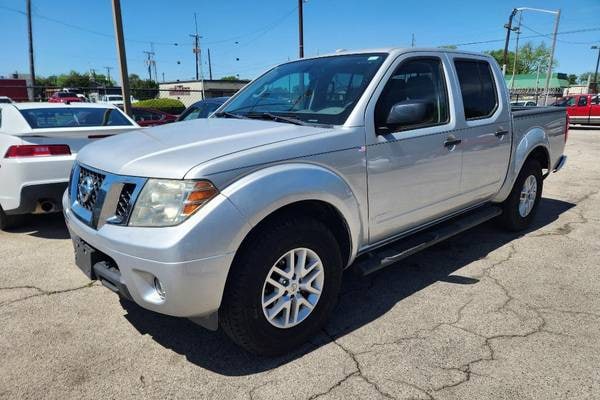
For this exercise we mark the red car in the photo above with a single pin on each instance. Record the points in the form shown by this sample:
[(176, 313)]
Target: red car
[(582, 108), (64, 97), (150, 117)]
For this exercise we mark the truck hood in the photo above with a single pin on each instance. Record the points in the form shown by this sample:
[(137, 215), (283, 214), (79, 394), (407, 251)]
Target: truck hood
[(170, 151)]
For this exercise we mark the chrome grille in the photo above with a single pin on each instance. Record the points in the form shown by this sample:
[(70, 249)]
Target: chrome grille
[(124, 204), (88, 185)]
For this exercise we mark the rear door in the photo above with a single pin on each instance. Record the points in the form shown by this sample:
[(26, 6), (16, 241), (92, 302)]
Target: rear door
[(579, 110), (413, 169), (595, 110), (484, 114)]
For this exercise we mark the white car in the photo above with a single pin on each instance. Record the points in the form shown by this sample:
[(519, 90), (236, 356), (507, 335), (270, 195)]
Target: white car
[(38, 143), (114, 99), (6, 100)]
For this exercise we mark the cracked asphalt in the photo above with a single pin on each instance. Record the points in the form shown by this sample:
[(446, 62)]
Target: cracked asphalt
[(485, 315)]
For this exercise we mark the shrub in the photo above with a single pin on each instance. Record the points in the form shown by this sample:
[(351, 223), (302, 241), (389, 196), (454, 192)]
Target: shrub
[(171, 106)]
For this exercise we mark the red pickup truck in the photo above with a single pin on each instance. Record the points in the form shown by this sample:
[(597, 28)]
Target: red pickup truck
[(582, 108)]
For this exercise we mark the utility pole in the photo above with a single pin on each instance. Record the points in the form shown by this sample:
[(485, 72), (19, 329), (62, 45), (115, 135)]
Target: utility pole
[(412, 44), (514, 68), (30, 92), (300, 29), (551, 58), (509, 29), (149, 62), (121, 56), (209, 66), (198, 54), (108, 75), (596, 73)]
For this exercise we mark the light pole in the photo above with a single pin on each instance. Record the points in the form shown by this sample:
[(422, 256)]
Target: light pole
[(300, 29), (551, 58), (596, 73), (509, 29)]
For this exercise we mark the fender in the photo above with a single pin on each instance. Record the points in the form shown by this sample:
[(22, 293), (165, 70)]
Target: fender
[(262, 192), (534, 138)]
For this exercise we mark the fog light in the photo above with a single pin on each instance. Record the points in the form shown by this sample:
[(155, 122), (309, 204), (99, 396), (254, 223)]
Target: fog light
[(159, 288)]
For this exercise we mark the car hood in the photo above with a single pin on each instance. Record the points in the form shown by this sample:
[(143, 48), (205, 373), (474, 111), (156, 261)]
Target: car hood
[(170, 151)]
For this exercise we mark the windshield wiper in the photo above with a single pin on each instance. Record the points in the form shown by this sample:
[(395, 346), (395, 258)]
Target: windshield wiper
[(228, 114), (273, 117)]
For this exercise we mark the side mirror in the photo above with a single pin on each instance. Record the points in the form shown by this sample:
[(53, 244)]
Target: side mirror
[(407, 113)]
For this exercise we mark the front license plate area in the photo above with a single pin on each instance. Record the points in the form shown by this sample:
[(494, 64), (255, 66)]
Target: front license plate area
[(84, 255)]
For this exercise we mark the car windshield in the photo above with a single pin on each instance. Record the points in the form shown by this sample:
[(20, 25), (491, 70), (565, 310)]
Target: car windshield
[(66, 94), (200, 110), (115, 97), (41, 118), (315, 91)]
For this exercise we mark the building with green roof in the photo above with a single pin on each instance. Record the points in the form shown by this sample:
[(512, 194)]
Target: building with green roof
[(526, 83)]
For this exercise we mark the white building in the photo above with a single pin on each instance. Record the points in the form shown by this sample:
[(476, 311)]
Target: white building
[(189, 92)]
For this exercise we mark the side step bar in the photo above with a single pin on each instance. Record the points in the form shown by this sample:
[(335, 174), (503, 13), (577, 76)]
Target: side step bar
[(402, 248)]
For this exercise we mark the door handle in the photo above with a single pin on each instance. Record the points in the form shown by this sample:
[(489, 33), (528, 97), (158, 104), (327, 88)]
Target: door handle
[(451, 142), (500, 133)]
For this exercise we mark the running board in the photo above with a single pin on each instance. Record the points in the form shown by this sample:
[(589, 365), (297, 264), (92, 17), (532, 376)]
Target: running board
[(402, 248)]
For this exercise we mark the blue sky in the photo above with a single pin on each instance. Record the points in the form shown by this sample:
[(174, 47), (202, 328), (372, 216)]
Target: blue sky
[(78, 34)]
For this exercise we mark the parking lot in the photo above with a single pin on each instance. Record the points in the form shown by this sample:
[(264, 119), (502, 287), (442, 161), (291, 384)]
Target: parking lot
[(486, 314)]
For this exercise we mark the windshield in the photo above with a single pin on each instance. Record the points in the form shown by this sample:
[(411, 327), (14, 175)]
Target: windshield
[(320, 91), (40, 118), (201, 110), (115, 97)]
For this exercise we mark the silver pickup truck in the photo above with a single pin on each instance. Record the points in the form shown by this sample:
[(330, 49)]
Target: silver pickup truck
[(247, 220)]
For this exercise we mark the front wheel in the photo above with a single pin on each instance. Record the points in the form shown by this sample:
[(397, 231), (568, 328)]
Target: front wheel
[(282, 287), (520, 207)]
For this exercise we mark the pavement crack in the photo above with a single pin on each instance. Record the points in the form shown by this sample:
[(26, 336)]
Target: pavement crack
[(41, 292)]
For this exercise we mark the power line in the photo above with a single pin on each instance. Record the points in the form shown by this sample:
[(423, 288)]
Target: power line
[(595, 29)]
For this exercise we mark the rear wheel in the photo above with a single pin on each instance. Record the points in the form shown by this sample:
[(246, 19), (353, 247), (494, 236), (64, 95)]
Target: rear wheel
[(520, 207), (282, 286)]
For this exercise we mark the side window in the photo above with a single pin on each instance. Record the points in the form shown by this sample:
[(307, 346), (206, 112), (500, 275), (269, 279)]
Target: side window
[(419, 84), (596, 100), (582, 101), (477, 87)]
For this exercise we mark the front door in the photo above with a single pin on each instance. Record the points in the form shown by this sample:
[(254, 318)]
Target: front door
[(413, 166)]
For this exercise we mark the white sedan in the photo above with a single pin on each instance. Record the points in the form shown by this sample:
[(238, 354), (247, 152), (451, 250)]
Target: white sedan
[(38, 143)]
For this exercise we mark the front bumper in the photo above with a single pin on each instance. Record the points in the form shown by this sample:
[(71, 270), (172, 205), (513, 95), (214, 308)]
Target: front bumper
[(193, 287)]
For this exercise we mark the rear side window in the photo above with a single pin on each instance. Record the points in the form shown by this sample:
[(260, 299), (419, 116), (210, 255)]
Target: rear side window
[(477, 87), (40, 118), (596, 100), (582, 101)]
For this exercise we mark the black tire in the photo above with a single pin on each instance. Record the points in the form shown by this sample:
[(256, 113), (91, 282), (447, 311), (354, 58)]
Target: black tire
[(241, 314), (511, 218)]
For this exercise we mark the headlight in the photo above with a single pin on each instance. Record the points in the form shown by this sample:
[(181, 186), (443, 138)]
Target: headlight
[(165, 202)]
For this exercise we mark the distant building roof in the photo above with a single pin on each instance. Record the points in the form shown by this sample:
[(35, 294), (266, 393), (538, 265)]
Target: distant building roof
[(525, 82)]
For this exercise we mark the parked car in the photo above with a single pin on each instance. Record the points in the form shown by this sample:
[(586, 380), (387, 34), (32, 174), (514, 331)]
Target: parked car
[(38, 143), (6, 100), (202, 108), (64, 97), (247, 219), (526, 103), (582, 108), (150, 117), (114, 99)]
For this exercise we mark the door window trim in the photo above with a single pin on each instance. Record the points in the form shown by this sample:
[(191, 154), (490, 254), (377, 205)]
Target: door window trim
[(445, 95), (495, 84)]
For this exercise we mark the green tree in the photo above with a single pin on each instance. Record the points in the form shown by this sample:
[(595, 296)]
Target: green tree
[(529, 57), (142, 89), (583, 78), (572, 79), (229, 78)]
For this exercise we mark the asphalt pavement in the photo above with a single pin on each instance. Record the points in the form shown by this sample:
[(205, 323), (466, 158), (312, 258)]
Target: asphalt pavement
[(485, 315)]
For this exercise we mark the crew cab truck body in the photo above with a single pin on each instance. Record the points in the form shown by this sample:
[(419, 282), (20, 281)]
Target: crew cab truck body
[(583, 109), (38, 143), (247, 219)]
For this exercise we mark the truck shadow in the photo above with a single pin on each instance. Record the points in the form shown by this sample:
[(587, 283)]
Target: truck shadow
[(362, 299), (45, 226)]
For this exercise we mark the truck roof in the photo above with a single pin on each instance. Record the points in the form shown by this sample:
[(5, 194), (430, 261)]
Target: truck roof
[(399, 50)]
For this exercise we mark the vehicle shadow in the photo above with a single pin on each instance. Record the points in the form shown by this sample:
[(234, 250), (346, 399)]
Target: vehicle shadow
[(45, 226), (362, 300)]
